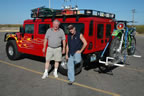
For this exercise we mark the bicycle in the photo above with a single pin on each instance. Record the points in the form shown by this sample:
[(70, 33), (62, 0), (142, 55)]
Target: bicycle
[(122, 45)]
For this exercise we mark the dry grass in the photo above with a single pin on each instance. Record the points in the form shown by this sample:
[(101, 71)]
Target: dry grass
[(10, 25), (140, 29)]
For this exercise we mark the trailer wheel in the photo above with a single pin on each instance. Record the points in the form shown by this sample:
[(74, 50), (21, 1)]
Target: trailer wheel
[(12, 50), (63, 67)]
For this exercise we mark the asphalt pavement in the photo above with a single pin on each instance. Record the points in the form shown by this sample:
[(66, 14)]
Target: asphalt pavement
[(23, 77)]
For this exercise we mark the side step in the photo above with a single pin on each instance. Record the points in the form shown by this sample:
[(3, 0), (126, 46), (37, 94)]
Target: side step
[(107, 62)]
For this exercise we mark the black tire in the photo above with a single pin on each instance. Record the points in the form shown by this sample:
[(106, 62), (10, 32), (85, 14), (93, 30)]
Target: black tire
[(113, 50), (63, 67), (131, 51), (12, 50)]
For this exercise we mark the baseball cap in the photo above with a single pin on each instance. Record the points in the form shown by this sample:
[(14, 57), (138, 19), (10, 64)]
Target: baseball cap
[(70, 26)]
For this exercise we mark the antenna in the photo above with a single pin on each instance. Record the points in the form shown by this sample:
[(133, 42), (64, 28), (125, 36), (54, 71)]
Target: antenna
[(76, 6), (66, 4), (49, 4), (70, 6)]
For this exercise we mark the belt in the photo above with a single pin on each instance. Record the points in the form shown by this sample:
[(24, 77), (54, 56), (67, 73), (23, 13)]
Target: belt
[(54, 47)]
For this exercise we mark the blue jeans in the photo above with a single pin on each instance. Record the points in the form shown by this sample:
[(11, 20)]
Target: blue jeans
[(72, 60)]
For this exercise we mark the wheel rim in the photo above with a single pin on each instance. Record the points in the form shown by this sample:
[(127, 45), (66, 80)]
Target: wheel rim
[(64, 64), (10, 50)]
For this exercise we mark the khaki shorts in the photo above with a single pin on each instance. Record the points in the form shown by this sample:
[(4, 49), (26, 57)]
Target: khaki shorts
[(54, 54)]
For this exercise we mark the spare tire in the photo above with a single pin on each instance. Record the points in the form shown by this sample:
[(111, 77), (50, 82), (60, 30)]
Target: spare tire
[(63, 67)]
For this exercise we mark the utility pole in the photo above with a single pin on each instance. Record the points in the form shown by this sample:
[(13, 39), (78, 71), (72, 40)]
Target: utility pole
[(133, 14)]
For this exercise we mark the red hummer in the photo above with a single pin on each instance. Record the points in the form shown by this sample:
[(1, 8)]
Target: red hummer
[(96, 26)]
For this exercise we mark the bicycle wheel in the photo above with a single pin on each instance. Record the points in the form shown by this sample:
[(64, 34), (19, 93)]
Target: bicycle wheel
[(132, 47), (118, 56)]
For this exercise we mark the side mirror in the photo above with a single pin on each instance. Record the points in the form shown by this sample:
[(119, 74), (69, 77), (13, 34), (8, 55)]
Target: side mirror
[(22, 30)]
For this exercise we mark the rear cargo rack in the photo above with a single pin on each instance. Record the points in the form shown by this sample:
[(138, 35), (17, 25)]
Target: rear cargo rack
[(43, 12)]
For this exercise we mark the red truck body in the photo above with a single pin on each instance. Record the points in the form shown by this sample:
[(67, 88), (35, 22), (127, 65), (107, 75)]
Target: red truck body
[(32, 43)]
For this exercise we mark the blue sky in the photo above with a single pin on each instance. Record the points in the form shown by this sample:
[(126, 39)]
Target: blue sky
[(16, 11)]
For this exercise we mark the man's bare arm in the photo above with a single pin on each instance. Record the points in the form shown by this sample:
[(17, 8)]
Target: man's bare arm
[(44, 45), (84, 43), (64, 46), (67, 50)]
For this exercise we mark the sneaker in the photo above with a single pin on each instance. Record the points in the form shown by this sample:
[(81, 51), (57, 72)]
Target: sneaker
[(70, 83), (45, 75), (55, 75)]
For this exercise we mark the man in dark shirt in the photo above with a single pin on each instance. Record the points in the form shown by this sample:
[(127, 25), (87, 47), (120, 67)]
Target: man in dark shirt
[(76, 45)]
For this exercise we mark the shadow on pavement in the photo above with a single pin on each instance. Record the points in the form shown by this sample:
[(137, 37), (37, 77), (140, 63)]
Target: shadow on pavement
[(100, 68)]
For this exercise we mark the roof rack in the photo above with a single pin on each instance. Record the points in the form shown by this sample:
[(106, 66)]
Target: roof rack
[(97, 13), (43, 12)]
